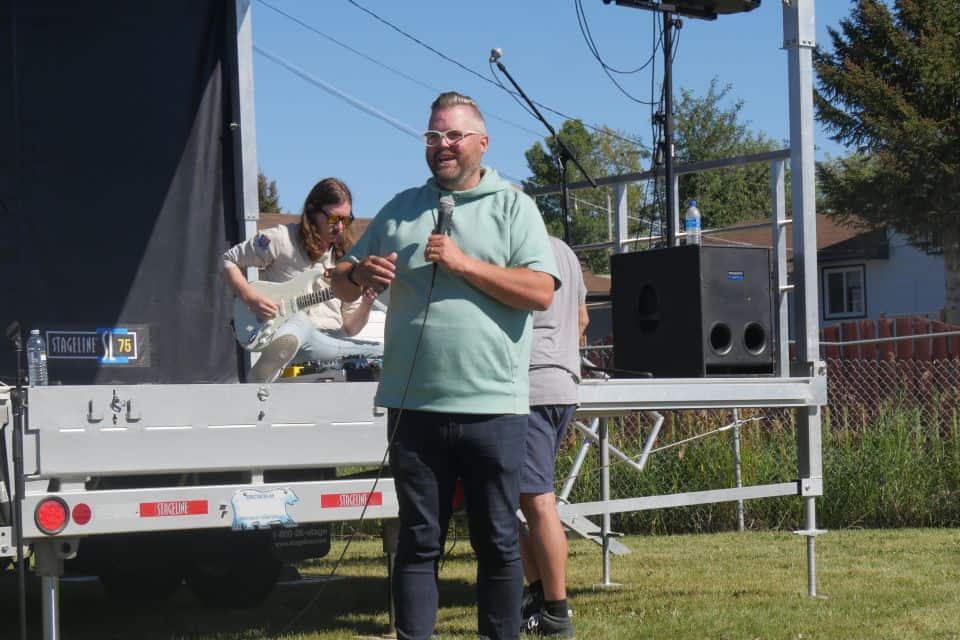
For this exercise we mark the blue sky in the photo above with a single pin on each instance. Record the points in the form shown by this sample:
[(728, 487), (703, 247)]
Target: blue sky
[(305, 133)]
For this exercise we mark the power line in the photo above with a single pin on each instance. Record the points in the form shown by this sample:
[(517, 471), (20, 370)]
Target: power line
[(381, 64), (354, 102), (486, 79)]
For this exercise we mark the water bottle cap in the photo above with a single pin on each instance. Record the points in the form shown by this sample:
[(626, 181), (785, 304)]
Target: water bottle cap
[(693, 203), (34, 332)]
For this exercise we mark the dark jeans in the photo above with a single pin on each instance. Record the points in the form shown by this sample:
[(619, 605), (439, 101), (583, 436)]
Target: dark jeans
[(429, 452)]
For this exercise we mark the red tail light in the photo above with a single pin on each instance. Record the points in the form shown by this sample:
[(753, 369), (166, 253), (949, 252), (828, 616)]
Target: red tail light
[(82, 513), (51, 515)]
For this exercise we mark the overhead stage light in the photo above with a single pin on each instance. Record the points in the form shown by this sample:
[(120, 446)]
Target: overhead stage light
[(708, 9)]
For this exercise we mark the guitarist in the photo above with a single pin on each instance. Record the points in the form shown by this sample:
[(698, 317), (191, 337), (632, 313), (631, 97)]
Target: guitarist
[(321, 237)]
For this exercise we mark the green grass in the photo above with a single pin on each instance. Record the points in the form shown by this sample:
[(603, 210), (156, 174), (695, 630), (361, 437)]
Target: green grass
[(897, 583)]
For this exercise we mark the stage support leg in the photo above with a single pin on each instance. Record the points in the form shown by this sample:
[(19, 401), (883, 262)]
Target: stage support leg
[(50, 568), (810, 468), (811, 525), (605, 530), (737, 466)]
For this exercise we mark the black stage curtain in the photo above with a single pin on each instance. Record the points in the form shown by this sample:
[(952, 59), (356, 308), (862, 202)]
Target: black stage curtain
[(116, 186)]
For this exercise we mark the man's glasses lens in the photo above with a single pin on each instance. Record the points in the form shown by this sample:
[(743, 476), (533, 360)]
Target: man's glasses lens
[(452, 136), (334, 219)]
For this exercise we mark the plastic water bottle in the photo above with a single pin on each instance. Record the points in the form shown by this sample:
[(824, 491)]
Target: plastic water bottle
[(36, 359), (691, 223)]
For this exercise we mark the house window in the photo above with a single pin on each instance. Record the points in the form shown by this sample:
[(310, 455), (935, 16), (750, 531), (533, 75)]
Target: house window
[(844, 292)]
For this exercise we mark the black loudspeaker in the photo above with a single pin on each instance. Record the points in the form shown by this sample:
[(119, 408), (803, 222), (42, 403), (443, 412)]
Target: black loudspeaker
[(693, 311)]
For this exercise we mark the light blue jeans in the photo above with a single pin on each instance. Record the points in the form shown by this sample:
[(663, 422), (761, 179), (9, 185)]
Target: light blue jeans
[(325, 346)]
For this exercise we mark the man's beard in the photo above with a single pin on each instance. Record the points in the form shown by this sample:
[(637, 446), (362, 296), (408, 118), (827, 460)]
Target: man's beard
[(450, 179)]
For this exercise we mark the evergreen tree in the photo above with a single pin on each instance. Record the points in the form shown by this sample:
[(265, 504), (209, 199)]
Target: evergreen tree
[(267, 194), (890, 89)]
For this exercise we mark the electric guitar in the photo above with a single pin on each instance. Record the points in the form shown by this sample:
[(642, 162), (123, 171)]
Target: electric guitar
[(291, 296)]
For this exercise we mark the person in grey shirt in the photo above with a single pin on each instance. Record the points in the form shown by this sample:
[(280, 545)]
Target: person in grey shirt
[(554, 375)]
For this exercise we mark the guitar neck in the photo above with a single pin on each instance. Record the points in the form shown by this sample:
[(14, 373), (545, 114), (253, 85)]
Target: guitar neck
[(310, 299)]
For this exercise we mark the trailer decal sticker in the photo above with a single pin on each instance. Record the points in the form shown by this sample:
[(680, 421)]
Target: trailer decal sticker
[(169, 508), (359, 499), (262, 509), (127, 346)]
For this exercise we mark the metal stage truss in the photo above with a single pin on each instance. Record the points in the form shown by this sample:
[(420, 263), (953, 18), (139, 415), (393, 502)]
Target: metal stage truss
[(799, 383)]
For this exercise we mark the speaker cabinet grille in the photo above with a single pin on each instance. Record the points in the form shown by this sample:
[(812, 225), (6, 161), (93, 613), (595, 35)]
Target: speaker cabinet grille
[(693, 311)]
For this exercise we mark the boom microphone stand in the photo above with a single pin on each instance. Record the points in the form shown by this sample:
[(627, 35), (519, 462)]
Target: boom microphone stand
[(563, 152)]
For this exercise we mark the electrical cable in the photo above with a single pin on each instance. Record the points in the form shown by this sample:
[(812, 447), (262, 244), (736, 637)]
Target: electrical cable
[(581, 18), (383, 461), (656, 129), (595, 50), (484, 78), (676, 44), (448, 552)]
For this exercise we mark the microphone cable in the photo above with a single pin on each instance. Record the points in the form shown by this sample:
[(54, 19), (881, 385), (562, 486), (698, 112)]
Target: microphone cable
[(383, 461)]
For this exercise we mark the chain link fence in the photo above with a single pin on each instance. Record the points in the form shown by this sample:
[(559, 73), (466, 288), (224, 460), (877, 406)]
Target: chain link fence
[(891, 453), (707, 449), (860, 391)]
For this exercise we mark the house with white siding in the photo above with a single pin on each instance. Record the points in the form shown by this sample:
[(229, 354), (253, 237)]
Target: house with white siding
[(861, 274)]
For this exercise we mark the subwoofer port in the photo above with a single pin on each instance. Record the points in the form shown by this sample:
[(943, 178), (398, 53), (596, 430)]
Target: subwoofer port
[(754, 338), (721, 339)]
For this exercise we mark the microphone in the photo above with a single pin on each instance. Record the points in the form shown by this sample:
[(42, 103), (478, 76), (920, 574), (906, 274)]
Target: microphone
[(495, 54), (444, 215)]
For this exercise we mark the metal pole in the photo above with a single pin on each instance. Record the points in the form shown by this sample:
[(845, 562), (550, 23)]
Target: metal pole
[(675, 210), (811, 526), (799, 39), (577, 463), (781, 289), (651, 439), (621, 230), (49, 566), (668, 25), (737, 465), (50, 606), (605, 531)]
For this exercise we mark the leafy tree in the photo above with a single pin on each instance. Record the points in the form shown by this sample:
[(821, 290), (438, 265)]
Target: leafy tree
[(891, 90), (600, 154), (267, 194), (706, 130)]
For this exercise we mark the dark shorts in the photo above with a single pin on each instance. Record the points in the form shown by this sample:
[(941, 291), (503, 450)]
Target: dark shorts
[(546, 426)]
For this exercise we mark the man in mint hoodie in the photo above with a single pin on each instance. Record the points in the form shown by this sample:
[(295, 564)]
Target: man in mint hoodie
[(455, 364)]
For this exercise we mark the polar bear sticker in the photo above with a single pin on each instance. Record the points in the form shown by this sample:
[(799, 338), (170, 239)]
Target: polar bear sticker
[(262, 509)]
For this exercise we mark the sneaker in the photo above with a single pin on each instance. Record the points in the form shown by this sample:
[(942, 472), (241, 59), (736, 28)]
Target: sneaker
[(274, 359), (531, 602), (545, 625)]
